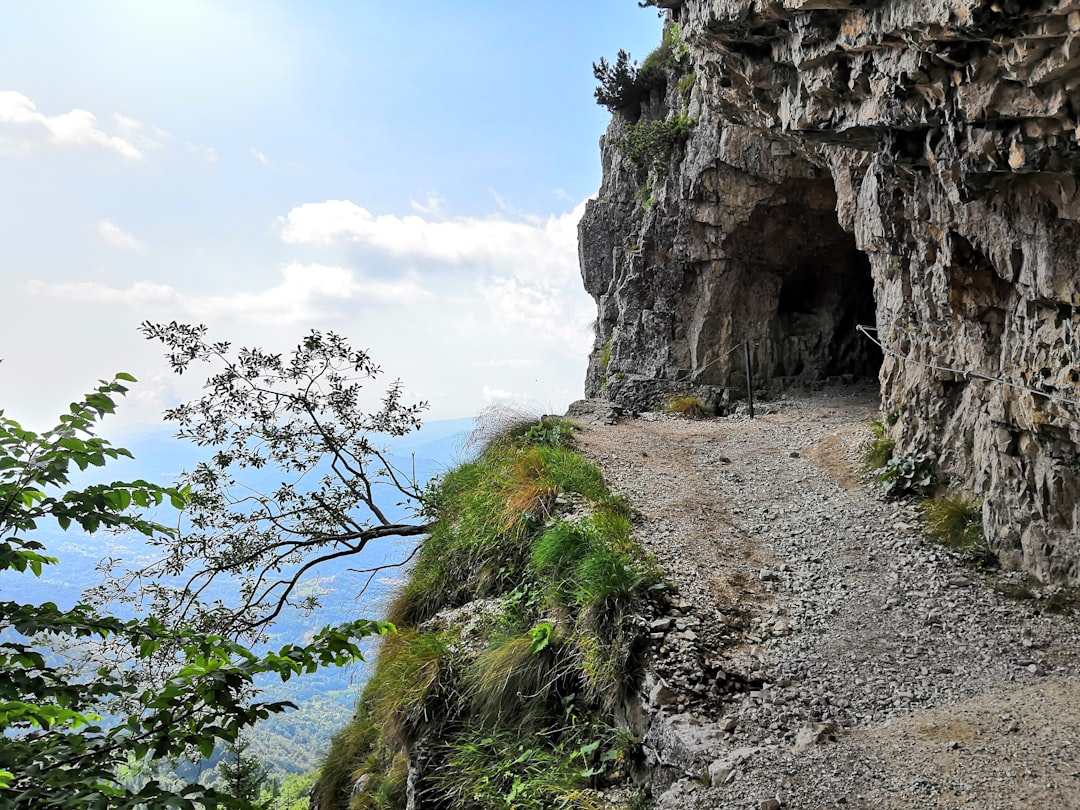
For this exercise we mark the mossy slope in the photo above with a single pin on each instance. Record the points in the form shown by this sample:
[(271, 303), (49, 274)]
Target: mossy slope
[(518, 637)]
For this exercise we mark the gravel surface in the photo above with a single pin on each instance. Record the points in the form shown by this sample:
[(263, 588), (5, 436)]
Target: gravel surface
[(818, 651)]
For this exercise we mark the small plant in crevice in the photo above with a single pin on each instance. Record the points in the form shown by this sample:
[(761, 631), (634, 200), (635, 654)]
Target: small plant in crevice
[(648, 145), (689, 407), (879, 449), (911, 474), (686, 84), (604, 359)]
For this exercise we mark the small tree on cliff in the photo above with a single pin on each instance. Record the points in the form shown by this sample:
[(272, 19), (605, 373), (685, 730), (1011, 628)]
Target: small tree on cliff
[(624, 86), (305, 425)]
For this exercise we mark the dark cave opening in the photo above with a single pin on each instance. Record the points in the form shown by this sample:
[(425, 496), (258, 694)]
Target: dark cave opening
[(823, 297), (808, 287)]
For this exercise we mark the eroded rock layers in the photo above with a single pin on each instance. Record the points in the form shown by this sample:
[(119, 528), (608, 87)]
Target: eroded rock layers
[(909, 165)]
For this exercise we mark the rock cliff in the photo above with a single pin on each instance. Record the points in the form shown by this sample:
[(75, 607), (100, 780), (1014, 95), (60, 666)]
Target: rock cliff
[(804, 167)]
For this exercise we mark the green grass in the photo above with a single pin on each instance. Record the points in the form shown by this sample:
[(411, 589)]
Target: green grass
[(542, 673), (514, 684), (419, 660), (500, 770), (879, 449), (954, 520)]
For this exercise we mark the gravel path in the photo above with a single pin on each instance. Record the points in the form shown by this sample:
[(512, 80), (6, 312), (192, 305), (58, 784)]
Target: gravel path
[(818, 652)]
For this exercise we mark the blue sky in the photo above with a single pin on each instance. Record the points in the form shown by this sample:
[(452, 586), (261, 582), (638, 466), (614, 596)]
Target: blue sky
[(409, 175)]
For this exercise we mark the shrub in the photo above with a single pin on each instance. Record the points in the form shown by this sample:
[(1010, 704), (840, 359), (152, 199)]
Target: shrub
[(648, 145), (688, 406), (906, 475)]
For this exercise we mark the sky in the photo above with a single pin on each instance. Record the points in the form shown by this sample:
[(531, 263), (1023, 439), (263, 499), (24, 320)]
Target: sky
[(407, 175)]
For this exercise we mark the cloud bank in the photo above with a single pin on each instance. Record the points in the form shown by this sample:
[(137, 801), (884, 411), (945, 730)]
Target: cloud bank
[(23, 128)]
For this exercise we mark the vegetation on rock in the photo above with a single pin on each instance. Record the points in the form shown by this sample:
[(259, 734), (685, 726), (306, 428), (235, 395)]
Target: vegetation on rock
[(517, 636)]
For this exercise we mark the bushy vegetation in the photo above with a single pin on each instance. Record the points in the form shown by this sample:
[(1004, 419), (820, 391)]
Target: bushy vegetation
[(901, 476), (650, 144), (954, 520), (513, 705), (910, 474), (57, 750), (624, 86), (879, 449)]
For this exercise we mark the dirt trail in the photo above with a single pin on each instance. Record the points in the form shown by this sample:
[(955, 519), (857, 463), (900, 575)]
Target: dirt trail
[(809, 610)]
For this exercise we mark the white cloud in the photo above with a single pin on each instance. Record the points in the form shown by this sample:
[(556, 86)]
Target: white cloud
[(546, 315), (261, 157), (432, 205), (24, 129), (207, 153), (501, 395), (139, 294), (146, 137), (306, 293), (116, 236), (542, 250)]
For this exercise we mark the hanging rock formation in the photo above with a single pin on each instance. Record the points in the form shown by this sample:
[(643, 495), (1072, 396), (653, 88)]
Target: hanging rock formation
[(807, 166)]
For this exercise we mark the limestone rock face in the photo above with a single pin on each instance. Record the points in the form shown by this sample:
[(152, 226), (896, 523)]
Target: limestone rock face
[(909, 165)]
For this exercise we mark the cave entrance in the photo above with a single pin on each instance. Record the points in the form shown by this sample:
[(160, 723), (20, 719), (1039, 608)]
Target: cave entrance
[(823, 297), (804, 287)]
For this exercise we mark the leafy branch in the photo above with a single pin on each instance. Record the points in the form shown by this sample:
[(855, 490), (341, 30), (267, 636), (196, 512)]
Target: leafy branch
[(56, 751), (304, 421)]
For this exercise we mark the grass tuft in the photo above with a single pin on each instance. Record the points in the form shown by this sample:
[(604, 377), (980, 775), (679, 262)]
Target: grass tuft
[(419, 660), (879, 449), (689, 407), (514, 682), (954, 520)]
